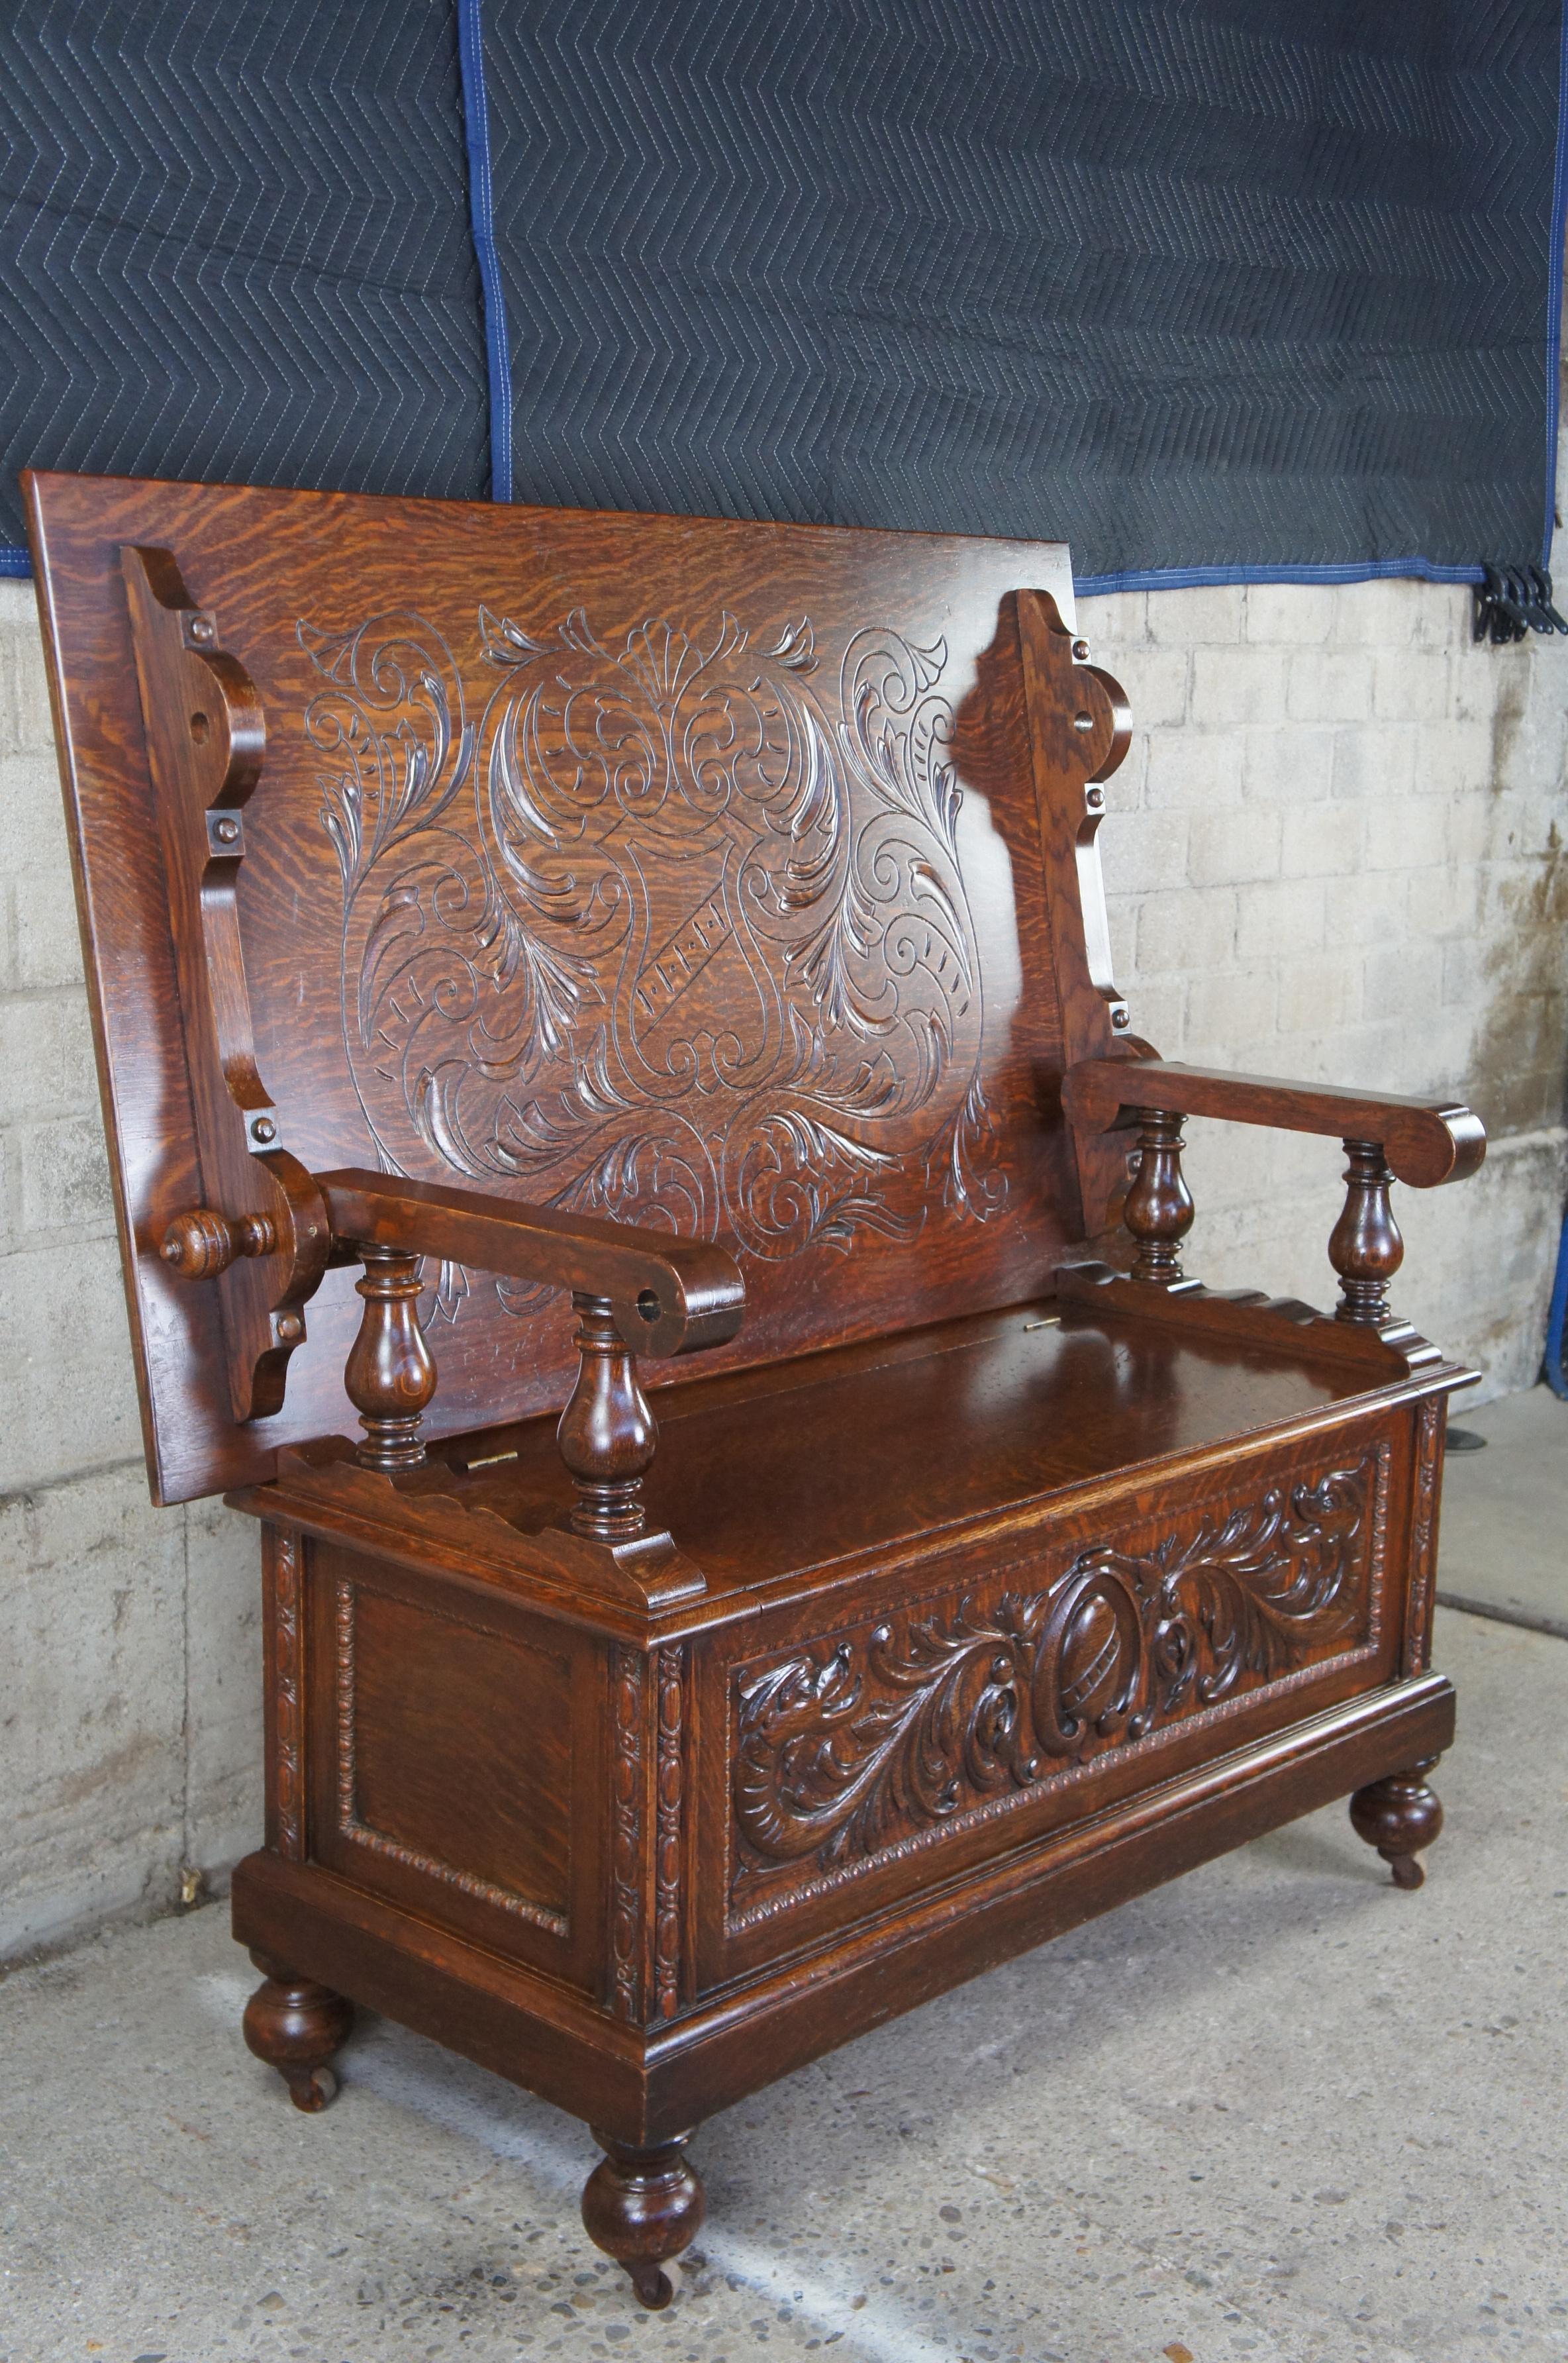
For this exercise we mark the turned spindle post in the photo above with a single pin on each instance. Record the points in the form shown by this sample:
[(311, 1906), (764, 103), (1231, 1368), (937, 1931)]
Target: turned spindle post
[(642, 2207), (607, 1433), (1365, 1246), (201, 1244), (1397, 1815), (1159, 1208), (296, 2026), (388, 1374)]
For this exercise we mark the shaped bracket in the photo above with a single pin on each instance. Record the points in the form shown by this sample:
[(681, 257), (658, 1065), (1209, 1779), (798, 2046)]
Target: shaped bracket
[(205, 740)]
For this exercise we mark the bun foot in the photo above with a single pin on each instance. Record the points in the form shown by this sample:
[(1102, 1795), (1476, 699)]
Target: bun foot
[(1397, 1815), (295, 2025), (642, 2207)]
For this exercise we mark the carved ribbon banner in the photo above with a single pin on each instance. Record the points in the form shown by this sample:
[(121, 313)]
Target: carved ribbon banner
[(674, 930), (843, 1752)]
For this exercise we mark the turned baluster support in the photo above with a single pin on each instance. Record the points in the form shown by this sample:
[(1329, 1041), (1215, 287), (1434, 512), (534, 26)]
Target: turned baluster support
[(642, 2207), (389, 1375), (1397, 1815), (1365, 1246), (201, 1244), (607, 1433), (297, 2027), (1159, 1208)]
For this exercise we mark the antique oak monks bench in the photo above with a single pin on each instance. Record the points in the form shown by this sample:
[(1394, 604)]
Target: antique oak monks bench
[(536, 955)]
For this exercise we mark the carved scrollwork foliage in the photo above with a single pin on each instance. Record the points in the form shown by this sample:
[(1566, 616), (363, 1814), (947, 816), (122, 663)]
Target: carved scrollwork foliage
[(845, 1750), (674, 929)]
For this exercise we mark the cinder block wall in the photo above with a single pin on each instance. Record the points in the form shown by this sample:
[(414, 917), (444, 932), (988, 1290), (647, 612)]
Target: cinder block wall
[(1344, 860), (1335, 852)]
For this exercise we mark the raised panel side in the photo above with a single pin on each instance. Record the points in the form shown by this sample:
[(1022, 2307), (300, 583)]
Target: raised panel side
[(447, 1745)]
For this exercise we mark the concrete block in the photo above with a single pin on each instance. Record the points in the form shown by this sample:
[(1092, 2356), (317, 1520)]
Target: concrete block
[(1383, 613), (1115, 620), (1194, 770), (1465, 972), (1443, 614), (1188, 928), (1328, 685), (1155, 680), (1404, 833), (1469, 827), (1530, 728), (1230, 1013), (1194, 618), (65, 1340), (1410, 685), (48, 942), (1230, 685), (1290, 763), (91, 1582), (46, 1056), (1403, 981), (1366, 910), (1142, 851), (1453, 759), (1475, 680), (32, 817), (1375, 1055), (65, 1185), (1280, 919), (223, 1696), (1527, 827), (1442, 902), (25, 724), (1374, 762), (1321, 840), (1234, 846), (1121, 918), (1159, 1012), (1316, 994), (1487, 1310), (1301, 615), (1228, 1166)]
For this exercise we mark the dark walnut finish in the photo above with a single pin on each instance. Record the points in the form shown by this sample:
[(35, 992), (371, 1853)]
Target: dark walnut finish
[(640, 989)]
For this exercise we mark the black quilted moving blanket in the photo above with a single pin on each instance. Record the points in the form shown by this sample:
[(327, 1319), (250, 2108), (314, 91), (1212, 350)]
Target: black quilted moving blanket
[(234, 244), (1210, 287)]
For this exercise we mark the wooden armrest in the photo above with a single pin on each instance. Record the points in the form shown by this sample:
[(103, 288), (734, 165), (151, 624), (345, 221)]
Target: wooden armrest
[(1424, 1141), (670, 1295)]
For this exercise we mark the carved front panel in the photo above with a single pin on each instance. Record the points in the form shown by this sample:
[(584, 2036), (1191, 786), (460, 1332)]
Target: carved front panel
[(882, 1739), (672, 924)]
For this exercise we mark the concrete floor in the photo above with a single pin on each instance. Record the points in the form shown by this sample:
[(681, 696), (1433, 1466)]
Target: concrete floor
[(1278, 2110), (1504, 1541)]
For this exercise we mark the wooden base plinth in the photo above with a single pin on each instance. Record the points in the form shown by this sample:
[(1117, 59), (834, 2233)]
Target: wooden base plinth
[(646, 2087)]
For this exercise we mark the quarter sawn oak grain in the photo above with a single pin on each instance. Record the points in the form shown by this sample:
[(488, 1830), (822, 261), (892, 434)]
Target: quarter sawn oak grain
[(625, 1004)]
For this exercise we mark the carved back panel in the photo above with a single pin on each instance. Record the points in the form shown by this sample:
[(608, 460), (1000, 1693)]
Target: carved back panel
[(699, 874)]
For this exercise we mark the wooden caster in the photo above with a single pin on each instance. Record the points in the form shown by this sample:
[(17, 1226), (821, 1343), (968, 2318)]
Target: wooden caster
[(295, 2025), (1397, 1815), (643, 2206)]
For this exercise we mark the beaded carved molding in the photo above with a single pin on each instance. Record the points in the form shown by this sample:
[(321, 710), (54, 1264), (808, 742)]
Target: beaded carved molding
[(675, 929), (858, 1749)]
